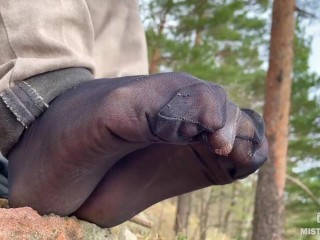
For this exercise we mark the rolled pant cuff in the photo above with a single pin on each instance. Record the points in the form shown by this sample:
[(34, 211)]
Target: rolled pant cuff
[(26, 100)]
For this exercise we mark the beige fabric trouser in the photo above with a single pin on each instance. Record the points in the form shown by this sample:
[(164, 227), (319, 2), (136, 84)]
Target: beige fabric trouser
[(48, 46)]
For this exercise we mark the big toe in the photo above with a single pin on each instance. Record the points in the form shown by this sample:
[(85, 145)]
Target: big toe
[(250, 149), (251, 126), (252, 163)]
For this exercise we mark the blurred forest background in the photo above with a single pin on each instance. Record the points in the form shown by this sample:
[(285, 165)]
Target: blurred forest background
[(228, 42)]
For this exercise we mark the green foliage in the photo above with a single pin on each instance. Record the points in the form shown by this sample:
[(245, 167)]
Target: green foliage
[(304, 148), (181, 237), (217, 41)]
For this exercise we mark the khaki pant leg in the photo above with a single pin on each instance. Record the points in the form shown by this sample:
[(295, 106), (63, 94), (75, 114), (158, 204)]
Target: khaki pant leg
[(46, 47), (120, 45)]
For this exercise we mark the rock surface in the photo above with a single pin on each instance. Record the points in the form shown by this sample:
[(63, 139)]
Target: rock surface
[(25, 223)]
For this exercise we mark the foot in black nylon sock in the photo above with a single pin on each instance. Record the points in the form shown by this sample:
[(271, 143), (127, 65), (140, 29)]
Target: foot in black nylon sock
[(158, 172), (63, 156)]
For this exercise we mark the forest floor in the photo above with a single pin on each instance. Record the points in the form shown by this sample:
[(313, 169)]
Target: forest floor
[(163, 216)]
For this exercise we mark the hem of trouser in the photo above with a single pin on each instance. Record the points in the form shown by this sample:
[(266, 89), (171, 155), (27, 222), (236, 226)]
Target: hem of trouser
[(4, 190), (28, 99), (24, 98)]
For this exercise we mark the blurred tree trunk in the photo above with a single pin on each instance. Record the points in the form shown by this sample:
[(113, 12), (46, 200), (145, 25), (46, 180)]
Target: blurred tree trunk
[(233, 202), (222, 197), (155, 58), (182, 216), (269, 204), (206, 201), (199, 9)]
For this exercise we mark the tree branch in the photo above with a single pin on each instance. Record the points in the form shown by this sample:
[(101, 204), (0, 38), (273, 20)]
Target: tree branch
[(304, 187), (142, 222), (303, 13)]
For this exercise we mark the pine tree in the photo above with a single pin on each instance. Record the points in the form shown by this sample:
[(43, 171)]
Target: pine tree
[(268, 221)]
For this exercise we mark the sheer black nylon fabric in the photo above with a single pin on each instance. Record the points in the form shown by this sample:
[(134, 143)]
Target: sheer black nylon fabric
[(110, 148)]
